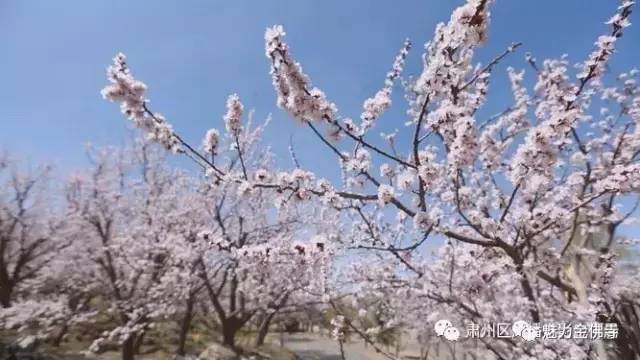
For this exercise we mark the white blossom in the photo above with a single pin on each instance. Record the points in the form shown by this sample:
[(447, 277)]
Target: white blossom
[(385, 194), (130, 93), (210, 141), (233, 116), (294, 92)]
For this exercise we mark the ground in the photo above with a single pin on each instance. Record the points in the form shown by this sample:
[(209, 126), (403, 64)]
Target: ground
[(297, 346), (309, 346)]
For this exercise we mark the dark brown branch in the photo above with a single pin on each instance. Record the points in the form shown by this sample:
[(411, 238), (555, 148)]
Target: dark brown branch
[(511, 198)]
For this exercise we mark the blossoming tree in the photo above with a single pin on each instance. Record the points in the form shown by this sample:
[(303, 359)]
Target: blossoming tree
[(526, 204), (29, 230)]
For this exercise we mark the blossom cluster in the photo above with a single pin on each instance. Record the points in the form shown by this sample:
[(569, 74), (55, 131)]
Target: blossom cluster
[(381, 101), (292, 86), (130, 93), (233, 117)]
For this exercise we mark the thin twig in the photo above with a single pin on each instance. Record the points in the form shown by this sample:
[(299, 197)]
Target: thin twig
[(490, 65)]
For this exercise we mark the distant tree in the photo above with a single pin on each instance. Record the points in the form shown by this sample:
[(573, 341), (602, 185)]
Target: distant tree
[(29, 228)]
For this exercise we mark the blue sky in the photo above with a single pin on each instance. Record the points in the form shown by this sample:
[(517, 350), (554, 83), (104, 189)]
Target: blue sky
[(192, 54)]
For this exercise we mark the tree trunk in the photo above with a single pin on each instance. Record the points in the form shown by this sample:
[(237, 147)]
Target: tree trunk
[(228, 337), (5, 295), (128, 348), (281, 336), (263, 329), (266, 321), (342, 355), (579, 272), (185, 325), (58, 338), (137, 344), (230, 328)]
